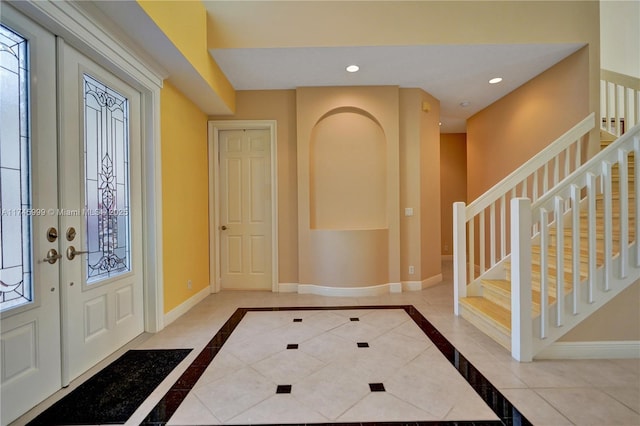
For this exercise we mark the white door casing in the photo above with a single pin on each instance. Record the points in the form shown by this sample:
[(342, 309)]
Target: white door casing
[(243, 200), (30, 334), (99, 315)]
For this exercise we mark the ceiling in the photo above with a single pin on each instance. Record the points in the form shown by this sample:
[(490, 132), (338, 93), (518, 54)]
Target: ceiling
[(254, 58), (451, 73)]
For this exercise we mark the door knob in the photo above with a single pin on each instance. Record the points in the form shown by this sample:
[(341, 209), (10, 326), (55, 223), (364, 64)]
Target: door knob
[(223, 228), (52, 256), (72, 252)]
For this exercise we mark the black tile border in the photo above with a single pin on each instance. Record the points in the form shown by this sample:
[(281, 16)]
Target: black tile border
[(507, 412)]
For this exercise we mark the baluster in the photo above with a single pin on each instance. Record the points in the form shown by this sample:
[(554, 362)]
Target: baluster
[(608, 224), (535, 187), (636, 186), (544, 272), (559, 218), (492, 232), (578, 153), (459, 254), (556, 171), (481, 246), (503, 228), (592, 193), (521, 326), (616, 108), (545, 178), (567, 159), (623, 168), (606, 106), (575, 245), (472, 250)]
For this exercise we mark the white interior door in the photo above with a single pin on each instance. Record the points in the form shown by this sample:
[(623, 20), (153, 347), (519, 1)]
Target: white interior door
[(100, 194), (245, 209), (29, 290)]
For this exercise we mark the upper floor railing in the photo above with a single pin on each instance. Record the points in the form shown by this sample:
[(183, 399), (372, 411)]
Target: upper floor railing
[(619, 102)]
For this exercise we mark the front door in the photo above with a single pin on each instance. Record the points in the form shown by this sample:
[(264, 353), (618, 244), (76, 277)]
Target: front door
[(29, 285), (245, 209), (101, 213)]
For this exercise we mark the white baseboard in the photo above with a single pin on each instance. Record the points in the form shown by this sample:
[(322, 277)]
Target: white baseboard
[(421, 285), (591, 350), (322, 290), (287, 287), (182, 308)]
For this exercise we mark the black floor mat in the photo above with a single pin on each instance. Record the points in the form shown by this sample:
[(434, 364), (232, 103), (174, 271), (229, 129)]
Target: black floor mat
[(113, 395)]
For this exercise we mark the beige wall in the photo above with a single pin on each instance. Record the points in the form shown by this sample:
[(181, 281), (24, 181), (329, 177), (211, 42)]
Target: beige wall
[(418, 148), (453, 182), (363, 251), (419, 185), (279, 105), (430, 188), (618, 320), (504, 135)]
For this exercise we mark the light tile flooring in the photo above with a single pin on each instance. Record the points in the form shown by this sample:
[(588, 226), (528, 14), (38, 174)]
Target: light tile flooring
[(547, 392)]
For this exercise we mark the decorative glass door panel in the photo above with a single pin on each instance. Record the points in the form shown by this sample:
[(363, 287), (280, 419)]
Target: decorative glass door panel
[(102, 287), (16, 285), (30, 361), (106, 156)]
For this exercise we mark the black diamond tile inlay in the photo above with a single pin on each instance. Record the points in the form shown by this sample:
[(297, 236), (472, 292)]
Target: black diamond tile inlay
[(297, 320), (283, 389), (354, 319), (363, 345), (376, 387), (292, 346)]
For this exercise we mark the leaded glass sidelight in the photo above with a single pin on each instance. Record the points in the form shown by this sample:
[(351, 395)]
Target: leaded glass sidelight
[(106, 155), (16, 278)]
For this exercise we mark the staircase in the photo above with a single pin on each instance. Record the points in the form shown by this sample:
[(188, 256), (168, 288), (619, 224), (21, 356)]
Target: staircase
[(554, 241), (491, 309)]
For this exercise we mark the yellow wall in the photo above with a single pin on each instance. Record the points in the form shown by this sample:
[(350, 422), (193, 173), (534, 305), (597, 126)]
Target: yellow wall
[(185, 24), (185, 195), (453, 182)]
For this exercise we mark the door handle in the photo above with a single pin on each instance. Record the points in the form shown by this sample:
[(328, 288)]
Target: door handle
[(52, 256), (72, 252), (223, 228)]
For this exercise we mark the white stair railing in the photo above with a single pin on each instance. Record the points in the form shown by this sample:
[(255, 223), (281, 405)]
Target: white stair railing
[(489, 214), (575, 297), (619, 102)]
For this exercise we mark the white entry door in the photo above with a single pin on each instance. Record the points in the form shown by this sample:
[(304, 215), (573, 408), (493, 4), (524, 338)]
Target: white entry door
[(245, 209), (101, 220), (29, 290)]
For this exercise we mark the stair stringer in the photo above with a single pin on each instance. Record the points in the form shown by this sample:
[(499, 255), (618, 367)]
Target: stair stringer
[(585, 309)]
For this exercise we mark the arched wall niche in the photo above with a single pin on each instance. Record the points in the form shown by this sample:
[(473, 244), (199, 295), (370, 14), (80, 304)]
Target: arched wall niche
[(348, 171)]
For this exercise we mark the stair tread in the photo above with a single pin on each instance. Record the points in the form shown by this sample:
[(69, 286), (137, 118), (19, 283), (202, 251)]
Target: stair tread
[(492, 311)]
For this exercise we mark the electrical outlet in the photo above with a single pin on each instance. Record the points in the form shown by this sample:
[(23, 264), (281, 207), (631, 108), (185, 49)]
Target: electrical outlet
[(189, 284), (446, 248), (412, 270)]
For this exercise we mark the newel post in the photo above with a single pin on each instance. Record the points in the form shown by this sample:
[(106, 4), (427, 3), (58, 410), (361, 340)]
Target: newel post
[(459, 254), (521, 325)]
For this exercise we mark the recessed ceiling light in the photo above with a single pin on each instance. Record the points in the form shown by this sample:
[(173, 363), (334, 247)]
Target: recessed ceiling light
[(440, 123), (353, 68), (495, 80), (465, 104)]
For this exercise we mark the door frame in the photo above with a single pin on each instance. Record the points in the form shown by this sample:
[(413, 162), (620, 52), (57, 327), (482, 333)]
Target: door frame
[(102, 43), (215, 127)]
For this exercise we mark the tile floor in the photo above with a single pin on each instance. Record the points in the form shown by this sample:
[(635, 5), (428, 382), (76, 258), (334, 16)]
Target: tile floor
[(546, 392)]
